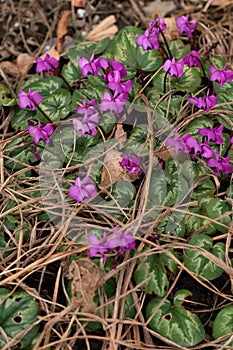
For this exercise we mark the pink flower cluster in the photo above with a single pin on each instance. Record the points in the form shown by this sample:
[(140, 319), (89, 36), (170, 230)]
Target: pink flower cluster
[(189, 144), (102, 246), (149, 40), (113, 73)]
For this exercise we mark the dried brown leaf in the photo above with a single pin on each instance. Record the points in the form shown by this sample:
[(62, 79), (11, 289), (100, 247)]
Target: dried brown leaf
[(120, 135), (86, 278), (52, 52), (112, 171), (105, 28), (159, 7), (62, 29), (23, 64)]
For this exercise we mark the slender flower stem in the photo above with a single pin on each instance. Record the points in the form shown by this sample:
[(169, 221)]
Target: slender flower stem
[(65, 81), (44, 114), (166, 44)]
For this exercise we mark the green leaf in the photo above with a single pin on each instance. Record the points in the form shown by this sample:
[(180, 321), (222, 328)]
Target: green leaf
[(200, 265), (157, 192), (154, 266), (137, 140), (190, 80), (197, 124), (174, 322), (222, 325), (71, 72), (178, 48), (56, 105), (216, 208), (47, 86), (95, 88), (20, 118), (6, 98), (85, 48), (125, 49), (17, 313), (18, 154), (123, 192)]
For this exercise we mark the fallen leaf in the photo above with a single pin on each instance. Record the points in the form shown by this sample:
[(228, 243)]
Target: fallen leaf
[(162, 8), (112, 171), (52, 52), (86, 277), (105, 28), (62, 29), (23, 64), (171, 32), (120, 135)]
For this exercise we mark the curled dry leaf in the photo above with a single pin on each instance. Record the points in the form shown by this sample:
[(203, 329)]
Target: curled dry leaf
[(62, 29), (120, 135), (105, 28), (86, 278), (112, 171), (23, 64)]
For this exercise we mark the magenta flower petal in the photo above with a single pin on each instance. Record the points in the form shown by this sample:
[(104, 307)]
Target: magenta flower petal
[(82, 189), (48, 64), (41, 133)]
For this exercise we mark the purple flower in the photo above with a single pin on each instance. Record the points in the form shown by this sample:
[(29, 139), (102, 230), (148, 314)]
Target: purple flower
[(191, 144), (115, 83), (87, 125), (204, 103), (29, 100), (89, 67), (82, 189), (214, 134), (174, 69), (113, 104), (221, 75), (185, 26), (90, 120), (160, 24), (176, 142), (206, 151), (149, 40), (123, 240), (220, 164), (48, 64), (131, 163), (231, 139), (41, 133), (192, 59), (98, 246), (110, 67)]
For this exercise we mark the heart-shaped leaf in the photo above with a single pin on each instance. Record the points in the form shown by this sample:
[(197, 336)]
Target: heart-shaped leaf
[(223, 322), (17, 313), (154, 266), (174, 322), (197, 263)]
